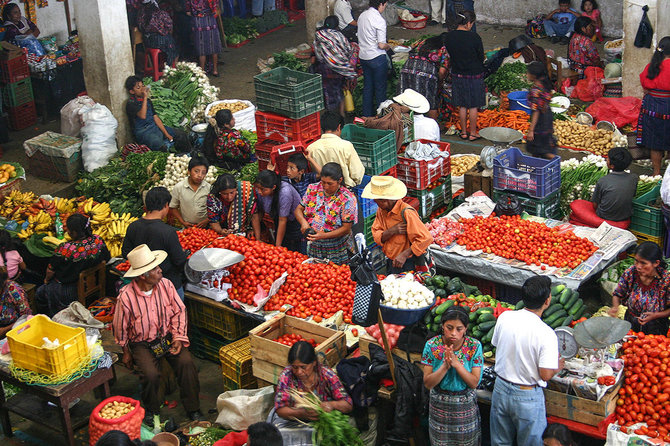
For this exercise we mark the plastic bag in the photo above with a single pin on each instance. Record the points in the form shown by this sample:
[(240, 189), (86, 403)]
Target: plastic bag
[(645, 32), (618, 111), (70, 119), (31, 43), (590, 88), (238, 409), (99, 135), (77, 315)]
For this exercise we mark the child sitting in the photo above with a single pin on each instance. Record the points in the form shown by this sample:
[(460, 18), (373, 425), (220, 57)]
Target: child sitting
[(612, 199), (189, 197), (560, 22), (296, 172), (590, 10)]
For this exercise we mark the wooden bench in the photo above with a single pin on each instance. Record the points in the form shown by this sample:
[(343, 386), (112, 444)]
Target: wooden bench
[(557, 73)]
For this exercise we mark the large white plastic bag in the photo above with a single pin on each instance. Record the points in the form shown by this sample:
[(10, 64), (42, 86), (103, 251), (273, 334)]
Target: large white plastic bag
[(70, 119), (238, 409), (244, 119), (99, 136)]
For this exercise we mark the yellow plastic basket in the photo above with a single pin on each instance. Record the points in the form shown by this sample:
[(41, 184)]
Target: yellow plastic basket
[(236, 365), (26, 340)]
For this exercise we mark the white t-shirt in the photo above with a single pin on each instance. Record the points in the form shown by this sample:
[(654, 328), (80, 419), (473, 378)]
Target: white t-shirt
[(371, 32), (342, 10), (523, 345), (665, 187), (426, 128)]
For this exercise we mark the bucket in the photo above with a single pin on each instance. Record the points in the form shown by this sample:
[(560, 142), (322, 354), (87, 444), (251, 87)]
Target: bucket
[(518, 100)]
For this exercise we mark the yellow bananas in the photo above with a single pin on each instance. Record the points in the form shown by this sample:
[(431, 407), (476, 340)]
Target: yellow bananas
[(52, 240)]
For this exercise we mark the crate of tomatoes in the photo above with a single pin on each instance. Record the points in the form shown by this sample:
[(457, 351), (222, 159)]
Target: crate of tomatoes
[(271, 341)]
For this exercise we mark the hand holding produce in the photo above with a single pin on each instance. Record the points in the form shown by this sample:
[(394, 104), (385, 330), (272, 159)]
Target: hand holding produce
[(116, 409)]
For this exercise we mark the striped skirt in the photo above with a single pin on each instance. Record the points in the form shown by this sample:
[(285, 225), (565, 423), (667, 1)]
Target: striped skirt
[(454, 418), (653, 125), (468, 90), (337, 250), (206, 39)]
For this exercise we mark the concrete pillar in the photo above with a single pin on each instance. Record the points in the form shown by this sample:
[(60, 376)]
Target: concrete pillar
[(105, 50), (635, 59), (315, 11)]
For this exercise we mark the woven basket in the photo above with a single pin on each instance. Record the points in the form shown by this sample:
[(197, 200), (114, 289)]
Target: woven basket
[(130, 423), (10, 186), (415, 24)]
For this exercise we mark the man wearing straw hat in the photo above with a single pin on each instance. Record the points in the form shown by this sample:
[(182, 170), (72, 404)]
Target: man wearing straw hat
[(150, 323), (397, 227)]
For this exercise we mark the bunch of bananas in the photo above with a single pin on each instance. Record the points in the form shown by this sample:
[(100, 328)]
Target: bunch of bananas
[(40, 222), (65, 205), (113, 230), (15, 205)]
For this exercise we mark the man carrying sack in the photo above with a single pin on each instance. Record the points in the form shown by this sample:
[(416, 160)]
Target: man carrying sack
[(397, 227), (150, 323)]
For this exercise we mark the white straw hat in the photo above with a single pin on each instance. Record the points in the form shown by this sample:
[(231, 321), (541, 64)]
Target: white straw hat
[(384, 188), (413, 100), (142, 259)]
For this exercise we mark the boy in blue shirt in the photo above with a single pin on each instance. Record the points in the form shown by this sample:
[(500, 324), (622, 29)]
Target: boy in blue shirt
[(560, 22), (296, 172)]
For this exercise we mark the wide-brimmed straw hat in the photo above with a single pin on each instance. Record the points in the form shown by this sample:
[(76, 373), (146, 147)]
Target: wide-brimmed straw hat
[(384, 188), (142, 259), (413, 100)]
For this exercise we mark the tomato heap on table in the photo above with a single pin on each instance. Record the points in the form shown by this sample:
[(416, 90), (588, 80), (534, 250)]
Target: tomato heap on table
[(195, 238), (262, 265), (645, 395), (525, 240), (318, 290), (291, 338)]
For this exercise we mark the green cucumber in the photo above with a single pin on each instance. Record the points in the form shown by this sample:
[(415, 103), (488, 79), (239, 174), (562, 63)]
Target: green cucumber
[(437, 318), (567, 320), (489, 336), (486, 317), (519, 305), (581, 312), (571, 302), (477, 333), (443, 306), (558, 322), (487, 348), (484, 310), (472, 316), (484, 327), (555, 291), (557, 315), (577, 308), (428, 318), (565, 296), (551, 310)]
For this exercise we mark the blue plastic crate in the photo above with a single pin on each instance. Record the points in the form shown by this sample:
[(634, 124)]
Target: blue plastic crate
[(512, 170), (368, 206)]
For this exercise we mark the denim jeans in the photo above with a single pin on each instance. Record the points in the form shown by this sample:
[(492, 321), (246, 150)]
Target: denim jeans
[(180, 292), (152, 137), (258, 6), (517, 414), (375, 72), (556, 29)]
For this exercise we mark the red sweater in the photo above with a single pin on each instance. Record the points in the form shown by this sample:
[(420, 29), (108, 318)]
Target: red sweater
[(660, 82)]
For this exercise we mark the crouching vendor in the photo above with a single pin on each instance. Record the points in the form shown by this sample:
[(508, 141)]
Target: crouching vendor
[(306, 375), (398, 229)]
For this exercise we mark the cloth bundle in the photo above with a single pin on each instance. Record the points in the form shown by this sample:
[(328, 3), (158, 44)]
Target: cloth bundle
[(424, 152)]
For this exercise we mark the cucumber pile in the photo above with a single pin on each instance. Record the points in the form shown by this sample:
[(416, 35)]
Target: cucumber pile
[(566, 306), (482, 325)]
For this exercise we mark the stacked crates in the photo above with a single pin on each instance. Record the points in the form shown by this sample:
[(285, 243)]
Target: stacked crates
[(17, 92), (236, 365)]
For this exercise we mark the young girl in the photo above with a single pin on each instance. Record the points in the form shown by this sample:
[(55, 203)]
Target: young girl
[(540, 140), (10, 258), (225, 146), (278, 200), (590, 10), (16, 24), (206, 39)]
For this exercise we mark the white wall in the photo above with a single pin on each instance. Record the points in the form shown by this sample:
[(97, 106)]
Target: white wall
[(51, 19)]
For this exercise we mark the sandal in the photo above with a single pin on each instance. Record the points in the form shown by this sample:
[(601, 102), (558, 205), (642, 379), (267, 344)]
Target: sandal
[(464, 136), (474, 137)]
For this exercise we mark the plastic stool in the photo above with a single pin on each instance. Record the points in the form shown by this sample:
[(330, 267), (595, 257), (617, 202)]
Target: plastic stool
[(229, 8), (151, 62)]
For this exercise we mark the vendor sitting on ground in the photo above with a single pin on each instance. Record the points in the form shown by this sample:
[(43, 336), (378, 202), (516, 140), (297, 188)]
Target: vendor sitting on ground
[(612, 199), (150, 323), (582, 52), (296, 172), (522, 49), (306, 374), (85, 250), (148, 129), (398, 229), (230, 205), (224, 145), (13, 302), (645, 289), (189, 197)]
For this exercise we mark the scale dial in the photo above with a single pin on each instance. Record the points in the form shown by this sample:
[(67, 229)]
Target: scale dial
[(567, 345), (487, 156)]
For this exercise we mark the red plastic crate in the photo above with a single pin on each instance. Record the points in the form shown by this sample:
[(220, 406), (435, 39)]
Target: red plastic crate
[(15, 69), (281, 152), (418, 175), (22, 116), (413, 201), (271, 126)]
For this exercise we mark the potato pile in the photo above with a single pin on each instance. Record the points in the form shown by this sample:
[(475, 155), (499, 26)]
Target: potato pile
[(234, 107), (461, 164), (571, 134), (614, 44), (116, 409)]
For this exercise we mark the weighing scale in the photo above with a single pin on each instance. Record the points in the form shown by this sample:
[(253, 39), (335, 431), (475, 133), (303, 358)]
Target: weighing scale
[(501, 138), (209, 259), (595, 333)]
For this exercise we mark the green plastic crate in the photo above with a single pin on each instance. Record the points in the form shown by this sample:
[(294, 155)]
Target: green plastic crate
[(432, 199), (647, 219), (547, 207), (367, 228), (376, 148), (17, 93), (205, 344), (289, 93)]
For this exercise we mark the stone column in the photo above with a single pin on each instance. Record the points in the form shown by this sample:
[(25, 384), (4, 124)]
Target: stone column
[(315, 11), (107, 56)]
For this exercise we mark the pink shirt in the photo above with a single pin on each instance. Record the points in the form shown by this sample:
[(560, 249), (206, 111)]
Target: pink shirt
[(13, 260)]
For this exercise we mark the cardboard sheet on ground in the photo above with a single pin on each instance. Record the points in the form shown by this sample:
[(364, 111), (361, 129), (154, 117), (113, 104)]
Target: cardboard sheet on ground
[(610, 240)]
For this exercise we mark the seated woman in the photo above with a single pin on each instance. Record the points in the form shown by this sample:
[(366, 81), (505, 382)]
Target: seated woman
[(612, 199), (230, 204), (10, 258), (277, 202), (305, 374), (582, 52), (156, 27), (16, 24), (84, 251), (13, 302), (645, 289), (522, 49), (326, 215), (224, 146)]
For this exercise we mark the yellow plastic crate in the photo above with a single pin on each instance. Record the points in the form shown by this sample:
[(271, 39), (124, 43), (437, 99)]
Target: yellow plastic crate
[(25, 343), (236, 365)]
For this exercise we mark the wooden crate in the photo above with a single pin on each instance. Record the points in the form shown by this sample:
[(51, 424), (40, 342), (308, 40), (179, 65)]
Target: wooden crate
[(365, 340), (578, 409), (269, 358), (475, 181)]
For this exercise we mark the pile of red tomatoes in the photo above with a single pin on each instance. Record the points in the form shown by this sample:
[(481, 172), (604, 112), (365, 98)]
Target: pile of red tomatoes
[(194, 238), (291, 338)]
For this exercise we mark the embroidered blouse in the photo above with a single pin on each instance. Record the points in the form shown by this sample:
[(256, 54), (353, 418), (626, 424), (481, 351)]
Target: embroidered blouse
[(470, 355), (71, 258), (328, 388), (200, 8), (582, 53), (231, 144), (154, 21), (539, 99), (14, 303), (325, 213), (640, 298)]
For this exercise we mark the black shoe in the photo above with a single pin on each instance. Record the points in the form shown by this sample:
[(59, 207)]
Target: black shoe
[(565, 40), (444, 25), (432, 23), (196, 416), (555, 39)]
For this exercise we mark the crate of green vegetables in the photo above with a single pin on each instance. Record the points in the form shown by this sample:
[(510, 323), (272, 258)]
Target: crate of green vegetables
[(289, 93), (647, 215)]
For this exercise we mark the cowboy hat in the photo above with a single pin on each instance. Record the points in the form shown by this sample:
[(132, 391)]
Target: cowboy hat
[(413, 100), (384, 188), (142, 260)]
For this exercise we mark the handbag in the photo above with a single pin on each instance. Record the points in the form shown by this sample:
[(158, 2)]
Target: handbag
[(368, 292), (508, 205), (160, 346)]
